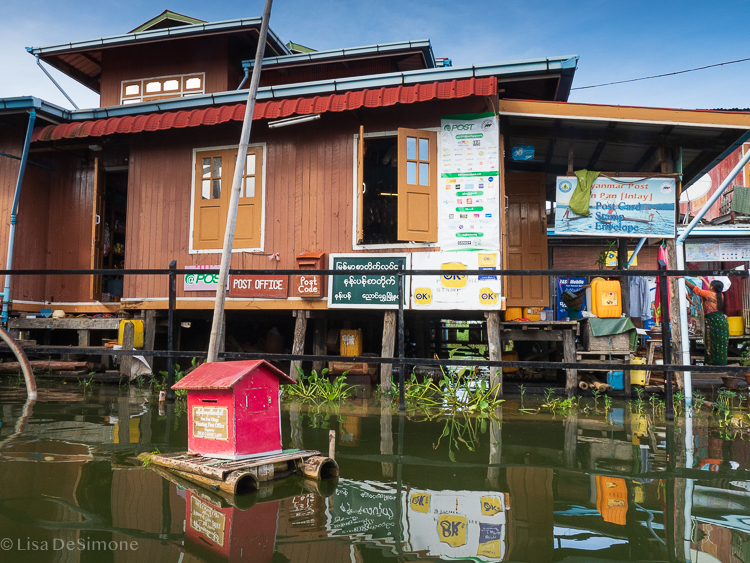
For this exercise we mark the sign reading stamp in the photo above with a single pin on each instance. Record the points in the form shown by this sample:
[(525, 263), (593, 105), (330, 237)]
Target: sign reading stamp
[(210, 423)]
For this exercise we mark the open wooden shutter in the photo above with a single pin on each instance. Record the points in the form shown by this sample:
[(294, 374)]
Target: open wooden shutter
[(417, 185), (249, 213), (97, 231), (360, 186), (526, 236), (211, 192)]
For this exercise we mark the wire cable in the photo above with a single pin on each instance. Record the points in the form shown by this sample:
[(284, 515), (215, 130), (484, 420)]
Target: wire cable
[(662, 75)]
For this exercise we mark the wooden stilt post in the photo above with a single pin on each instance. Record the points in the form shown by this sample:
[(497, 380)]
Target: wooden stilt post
[(298, 347), (674, 315), (128, 336), (388, 346), (496, 351), (320, 329), (569, 355), (622, 264)]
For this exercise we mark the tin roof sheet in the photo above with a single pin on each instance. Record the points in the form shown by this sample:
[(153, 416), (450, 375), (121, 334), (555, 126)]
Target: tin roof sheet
[(225, 375)]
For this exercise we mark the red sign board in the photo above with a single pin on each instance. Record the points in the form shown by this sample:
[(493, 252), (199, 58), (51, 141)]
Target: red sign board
[(308, 285), (270, 287)]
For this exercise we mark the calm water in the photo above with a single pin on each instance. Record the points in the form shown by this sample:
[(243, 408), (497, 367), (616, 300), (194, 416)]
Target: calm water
[(619, 486)]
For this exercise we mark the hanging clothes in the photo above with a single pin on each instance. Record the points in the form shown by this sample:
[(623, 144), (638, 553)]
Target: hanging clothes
[(662, 255), (640, 298), (581, 197)]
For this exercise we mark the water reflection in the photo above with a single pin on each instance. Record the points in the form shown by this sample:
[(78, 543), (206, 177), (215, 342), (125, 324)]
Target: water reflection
[(585, 485)]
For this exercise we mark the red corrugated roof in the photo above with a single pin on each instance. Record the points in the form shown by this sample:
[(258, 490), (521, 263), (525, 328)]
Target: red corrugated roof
[(225, 375), (380, 97)]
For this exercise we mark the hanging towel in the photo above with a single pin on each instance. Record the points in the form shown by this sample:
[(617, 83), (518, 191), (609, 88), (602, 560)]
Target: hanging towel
[(579, 201)]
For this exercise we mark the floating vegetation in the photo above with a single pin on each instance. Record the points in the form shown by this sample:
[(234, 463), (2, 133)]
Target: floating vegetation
[(316, 387)]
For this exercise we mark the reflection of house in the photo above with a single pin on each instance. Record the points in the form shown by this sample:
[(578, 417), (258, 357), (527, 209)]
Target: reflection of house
[(144, 178)]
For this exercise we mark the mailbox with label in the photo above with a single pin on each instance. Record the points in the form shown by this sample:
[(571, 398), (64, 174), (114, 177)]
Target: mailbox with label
[(233, 409), (309, 285)]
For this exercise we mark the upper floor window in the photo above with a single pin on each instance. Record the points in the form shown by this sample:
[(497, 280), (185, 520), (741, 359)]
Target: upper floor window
[(150, 89)]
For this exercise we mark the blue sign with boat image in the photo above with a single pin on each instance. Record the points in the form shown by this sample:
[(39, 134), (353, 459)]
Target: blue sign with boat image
[(621, 207)]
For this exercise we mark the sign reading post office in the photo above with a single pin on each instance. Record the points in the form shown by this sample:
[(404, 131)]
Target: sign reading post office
[(360, 290), (620, 207)]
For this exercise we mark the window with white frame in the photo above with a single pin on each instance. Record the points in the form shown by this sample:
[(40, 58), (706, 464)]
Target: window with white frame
[(161, 88)]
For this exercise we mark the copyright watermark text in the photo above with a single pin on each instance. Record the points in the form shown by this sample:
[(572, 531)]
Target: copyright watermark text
[(57, 544)]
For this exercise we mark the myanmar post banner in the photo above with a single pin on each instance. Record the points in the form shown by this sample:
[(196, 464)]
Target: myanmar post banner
[(469, 189), (623, 207)]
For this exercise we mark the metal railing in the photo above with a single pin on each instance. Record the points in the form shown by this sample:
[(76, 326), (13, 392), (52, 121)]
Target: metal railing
[(400, 361)]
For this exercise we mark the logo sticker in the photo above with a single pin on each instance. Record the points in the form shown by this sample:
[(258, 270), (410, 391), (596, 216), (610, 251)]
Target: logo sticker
[(423, 296)]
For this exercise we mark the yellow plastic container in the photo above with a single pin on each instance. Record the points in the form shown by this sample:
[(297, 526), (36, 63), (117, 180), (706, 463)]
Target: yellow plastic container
[(607, 299), (511, 356), (533, 313), (351, 342), (137, 333), (513, 313), (736, 326), (638, 376)]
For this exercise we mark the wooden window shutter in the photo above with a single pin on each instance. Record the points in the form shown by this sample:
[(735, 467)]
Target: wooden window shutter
[(360, 188), (211, 191), (417, 185), (250, 211)]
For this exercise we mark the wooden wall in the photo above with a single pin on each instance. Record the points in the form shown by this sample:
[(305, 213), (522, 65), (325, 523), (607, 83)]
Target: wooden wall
[(579, 257), (309, 170), (184, 56), (31, 227)]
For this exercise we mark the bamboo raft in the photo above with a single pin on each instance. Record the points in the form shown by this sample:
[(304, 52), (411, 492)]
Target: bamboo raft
[(246, 475)]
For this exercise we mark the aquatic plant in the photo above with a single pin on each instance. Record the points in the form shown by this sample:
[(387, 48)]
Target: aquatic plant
[(522, 389), (698, 400), (318, 388)]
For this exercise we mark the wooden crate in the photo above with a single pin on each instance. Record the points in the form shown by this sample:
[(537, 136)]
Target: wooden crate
[(608, 343)]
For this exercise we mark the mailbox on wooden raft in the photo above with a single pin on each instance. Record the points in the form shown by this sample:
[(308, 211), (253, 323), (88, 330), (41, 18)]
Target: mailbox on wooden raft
[(233, 409)]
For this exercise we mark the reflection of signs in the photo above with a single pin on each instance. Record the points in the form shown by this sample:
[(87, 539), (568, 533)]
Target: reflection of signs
[(491, 506), (487, 296), (452, 529), (423, 296), (420, 502), (453, 280), (210, 423), (490, 536), (206, 520)]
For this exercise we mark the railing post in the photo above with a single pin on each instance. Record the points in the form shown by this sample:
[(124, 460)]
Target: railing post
[(401, 401), (665, 339), (170, 329)]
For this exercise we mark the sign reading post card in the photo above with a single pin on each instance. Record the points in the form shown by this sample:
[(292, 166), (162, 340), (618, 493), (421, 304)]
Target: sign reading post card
[(621, 207)]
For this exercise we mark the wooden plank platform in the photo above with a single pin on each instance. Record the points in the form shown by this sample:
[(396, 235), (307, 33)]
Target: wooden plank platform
[(245, 475), (72, 323)]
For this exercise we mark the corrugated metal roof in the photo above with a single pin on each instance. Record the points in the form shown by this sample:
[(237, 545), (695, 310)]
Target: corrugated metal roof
[(160, 34), (368, 98), (352, 52), (225, 375)]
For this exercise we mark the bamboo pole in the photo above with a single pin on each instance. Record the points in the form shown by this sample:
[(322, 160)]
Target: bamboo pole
[(234, 200)]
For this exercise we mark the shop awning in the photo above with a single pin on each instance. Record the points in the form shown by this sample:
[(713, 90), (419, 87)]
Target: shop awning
[(370, 98)]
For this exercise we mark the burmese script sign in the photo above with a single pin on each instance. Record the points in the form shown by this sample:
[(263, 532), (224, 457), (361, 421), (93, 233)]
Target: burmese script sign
[(210, 423), (269, 287), (629, 207), (206, 520), (357, 289)]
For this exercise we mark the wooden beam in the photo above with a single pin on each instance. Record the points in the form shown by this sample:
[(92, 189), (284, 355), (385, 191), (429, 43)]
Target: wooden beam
[(387, 349), (320, 329), (128, 336), (600, 146), (298, 346), (700, 118), (569, 355), (495, 348), (65, 323)]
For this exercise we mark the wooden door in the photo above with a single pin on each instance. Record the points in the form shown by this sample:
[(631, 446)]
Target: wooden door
[(417, 185), (250, 210), (97, 230), (526, 239)]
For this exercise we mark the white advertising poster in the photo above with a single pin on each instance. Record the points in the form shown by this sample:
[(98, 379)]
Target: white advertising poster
[(454, 291), (467, 525), (202, 281), (469, 188)]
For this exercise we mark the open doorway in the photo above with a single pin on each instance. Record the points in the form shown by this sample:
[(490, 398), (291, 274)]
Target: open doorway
[(109, 248), (380, 198)]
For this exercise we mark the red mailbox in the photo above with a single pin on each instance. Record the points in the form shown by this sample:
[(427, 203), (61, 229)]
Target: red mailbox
[(233, 409), (309, 285)]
